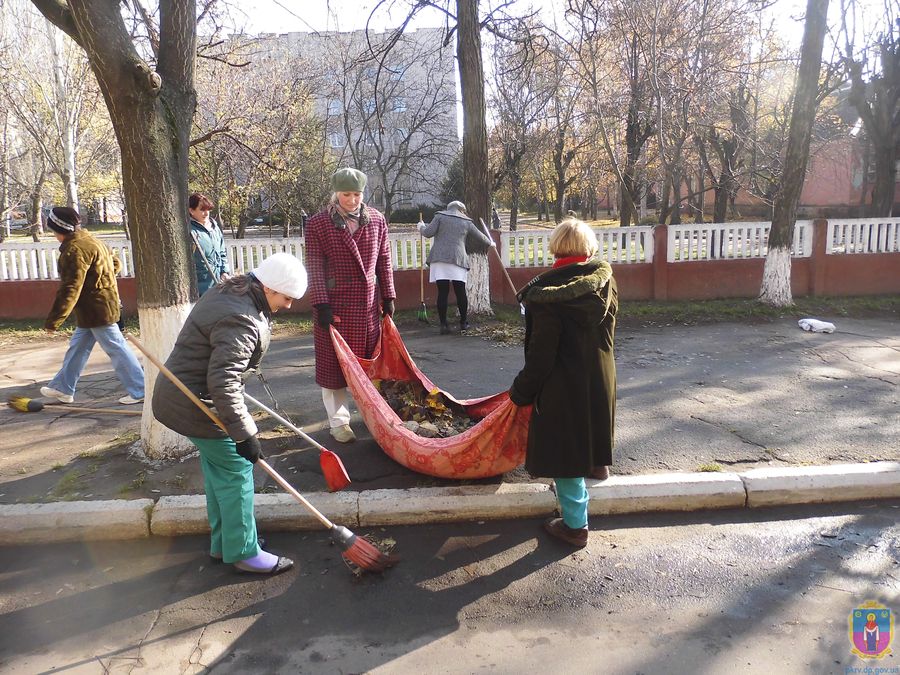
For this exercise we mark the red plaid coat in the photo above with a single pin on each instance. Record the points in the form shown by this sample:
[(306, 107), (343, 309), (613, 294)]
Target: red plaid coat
[(353, 274)]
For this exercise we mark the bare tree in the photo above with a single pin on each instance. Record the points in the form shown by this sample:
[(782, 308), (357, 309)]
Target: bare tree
[(151, 110), (874, 72), (257, 143), (396, 114), (520, 95), (776, 283)]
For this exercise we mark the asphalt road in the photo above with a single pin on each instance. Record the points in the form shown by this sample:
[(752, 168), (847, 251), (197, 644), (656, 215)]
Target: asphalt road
[(763, 591)]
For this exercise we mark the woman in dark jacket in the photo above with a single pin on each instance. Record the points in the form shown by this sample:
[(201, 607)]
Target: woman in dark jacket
[(225, 335), (570, 373)]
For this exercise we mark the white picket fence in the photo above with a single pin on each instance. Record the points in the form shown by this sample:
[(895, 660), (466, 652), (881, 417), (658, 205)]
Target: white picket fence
[(730, 241), (524, 248), (864, 235)]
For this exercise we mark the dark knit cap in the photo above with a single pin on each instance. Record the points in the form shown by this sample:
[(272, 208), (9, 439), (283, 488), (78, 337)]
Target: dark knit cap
[(63, 220)]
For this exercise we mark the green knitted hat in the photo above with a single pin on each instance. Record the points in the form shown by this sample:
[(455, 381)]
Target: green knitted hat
[(348, 180)]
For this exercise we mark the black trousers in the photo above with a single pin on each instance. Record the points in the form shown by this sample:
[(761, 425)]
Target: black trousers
[(462, 300)]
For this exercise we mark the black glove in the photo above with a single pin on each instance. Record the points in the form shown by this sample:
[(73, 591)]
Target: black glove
[(324, 316), (387, 307), (250, 449)]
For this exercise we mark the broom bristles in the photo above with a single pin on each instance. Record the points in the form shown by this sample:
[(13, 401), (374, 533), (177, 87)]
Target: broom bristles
[(365, 555), (23, 404), (333, 470)]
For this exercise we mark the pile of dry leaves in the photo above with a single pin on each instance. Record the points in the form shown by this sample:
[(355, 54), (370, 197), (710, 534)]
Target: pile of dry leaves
[(427, 413)]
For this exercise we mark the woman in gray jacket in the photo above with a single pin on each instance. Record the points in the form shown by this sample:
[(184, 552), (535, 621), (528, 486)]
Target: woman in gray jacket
[(225, 335), (448, 261)]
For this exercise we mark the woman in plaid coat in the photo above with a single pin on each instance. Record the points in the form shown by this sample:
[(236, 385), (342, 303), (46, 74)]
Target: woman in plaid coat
[(351, 285)]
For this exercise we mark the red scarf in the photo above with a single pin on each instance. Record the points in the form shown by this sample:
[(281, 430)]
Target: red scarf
[(570, 260)]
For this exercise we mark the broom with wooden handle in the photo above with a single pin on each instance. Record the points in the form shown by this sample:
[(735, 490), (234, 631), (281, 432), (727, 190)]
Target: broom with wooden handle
[(23, 404), (512, 286), (332, 466), (355, 549)]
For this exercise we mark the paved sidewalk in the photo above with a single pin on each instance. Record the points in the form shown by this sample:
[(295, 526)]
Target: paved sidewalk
[(745, 404)]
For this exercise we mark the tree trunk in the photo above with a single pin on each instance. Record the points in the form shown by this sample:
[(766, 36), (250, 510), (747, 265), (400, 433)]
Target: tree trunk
[(663, 206), (885, 182), (151, 113), (560, 188), (626, 198), (61, 113), (478, 286), (36, 228), (514, 184), (701, 197), (720, 206), (776, 283), (475, 148), (5, 197), (675, 218)]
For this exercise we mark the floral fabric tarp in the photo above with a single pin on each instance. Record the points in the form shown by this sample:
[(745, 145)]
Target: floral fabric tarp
[(493, 446)]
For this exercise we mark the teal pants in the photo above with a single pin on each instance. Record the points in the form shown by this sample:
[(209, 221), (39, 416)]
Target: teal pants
[(228, 482), (573, 501)]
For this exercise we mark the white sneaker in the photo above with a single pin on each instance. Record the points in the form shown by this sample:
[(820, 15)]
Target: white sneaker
[(343, 434), (58, 395), (130, 400)]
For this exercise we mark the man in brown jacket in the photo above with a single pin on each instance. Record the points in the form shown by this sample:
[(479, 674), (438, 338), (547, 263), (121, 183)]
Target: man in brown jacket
[(87, 274)]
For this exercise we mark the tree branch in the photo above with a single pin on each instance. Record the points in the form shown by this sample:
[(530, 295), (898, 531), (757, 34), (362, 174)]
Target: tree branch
[(208, 135), (58, 13)]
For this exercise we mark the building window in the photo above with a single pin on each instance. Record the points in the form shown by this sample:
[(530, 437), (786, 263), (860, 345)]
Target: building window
[(334, 107), (399, 105), (336, 139), (369, 106)]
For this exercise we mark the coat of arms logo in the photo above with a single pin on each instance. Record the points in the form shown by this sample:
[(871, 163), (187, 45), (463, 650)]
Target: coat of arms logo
[(871, 627)]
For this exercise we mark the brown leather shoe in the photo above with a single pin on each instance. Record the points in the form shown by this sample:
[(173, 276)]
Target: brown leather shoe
[(560, 530), (600, 472)]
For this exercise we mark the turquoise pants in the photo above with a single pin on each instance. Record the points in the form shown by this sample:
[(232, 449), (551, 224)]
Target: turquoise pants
[(573, 501), (228, 482)]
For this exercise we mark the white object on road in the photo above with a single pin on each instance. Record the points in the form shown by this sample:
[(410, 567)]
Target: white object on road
[(816, 326)]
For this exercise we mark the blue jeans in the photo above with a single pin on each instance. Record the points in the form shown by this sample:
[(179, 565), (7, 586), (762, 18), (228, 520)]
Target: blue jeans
[(573, 501), (127, 367)]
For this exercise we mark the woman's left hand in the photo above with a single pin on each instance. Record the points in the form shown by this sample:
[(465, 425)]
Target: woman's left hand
[(387, 307)]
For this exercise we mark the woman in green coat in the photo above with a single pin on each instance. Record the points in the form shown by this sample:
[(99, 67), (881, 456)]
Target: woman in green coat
[(570, 373)]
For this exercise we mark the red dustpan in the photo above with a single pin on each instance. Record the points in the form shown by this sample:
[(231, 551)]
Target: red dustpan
[(332, 467)]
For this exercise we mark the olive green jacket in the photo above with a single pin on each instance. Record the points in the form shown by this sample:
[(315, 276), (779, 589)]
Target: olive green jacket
[(87, 275)]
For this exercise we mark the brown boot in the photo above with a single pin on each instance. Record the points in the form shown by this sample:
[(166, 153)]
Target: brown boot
[(560, 530), (600, 472)]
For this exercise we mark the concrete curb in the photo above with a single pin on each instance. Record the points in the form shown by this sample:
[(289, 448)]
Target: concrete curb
[(182, 515), (666, 492), (75, 521), (814, 484)]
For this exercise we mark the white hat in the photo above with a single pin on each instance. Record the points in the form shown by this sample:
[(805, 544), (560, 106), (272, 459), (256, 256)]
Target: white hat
[(457, 208), (283, 273)]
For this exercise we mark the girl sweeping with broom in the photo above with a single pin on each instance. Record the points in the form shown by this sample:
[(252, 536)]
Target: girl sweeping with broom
[(225, 335)]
